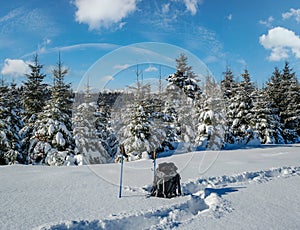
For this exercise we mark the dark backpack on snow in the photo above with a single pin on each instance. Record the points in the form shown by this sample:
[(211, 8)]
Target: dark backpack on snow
[(166, 182)]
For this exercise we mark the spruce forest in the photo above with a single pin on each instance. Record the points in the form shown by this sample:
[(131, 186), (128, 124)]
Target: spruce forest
[(52, 125)]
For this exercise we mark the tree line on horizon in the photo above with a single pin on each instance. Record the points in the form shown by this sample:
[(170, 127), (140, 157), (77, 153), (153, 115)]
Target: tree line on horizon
[(40, 124)]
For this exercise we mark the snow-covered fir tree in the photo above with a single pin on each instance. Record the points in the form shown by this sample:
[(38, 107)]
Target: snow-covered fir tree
[(172, 128), (183, 90), (246, 91), (210, 117), (290, 105), (5, 128), (62, 95), (186, 112), (283, 91), (52, 142), (185, 83), (138, 132), (242, 112), (10, 124), (34, 99), (238, 96), (274, 97), (183, 67), (265, 120), (164, 116), (139, 129), (228, 87), (184, 78), (34, 91), (172, 102), (103, 122), (88, 145), (16, 124)]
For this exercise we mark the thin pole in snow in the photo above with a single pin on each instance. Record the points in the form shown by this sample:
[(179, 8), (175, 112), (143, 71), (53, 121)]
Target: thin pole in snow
[(154, 164), (122, 150)]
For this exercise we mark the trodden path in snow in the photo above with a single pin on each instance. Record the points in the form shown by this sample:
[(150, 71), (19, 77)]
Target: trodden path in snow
[(204, 197)]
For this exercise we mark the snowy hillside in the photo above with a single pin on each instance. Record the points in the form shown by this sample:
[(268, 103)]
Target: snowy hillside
[(256, 188)]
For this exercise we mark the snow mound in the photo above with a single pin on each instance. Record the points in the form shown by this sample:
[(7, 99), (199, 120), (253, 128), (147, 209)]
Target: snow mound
[(196, 205)]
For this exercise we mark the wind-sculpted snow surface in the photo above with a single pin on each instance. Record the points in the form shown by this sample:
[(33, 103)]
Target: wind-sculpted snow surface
[(163, 218), (243, 178), (204, 197)]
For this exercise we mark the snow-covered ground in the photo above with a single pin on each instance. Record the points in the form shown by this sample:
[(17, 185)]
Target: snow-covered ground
[(255, 188)]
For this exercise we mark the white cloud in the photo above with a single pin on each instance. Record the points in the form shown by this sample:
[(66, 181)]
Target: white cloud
[(47, 41), (165, 8), (11, 15), (229, 17), (242, 62), (26, 21), (210, 59), (169, 14), (278, 53), (192, 5), (42, 48), (107, 78), (281, 42), (121, 25), (268, 22), (15, 67), (292, 13), (103, 13), (104, 46), (83, 46), (151, 69), (121, 67)]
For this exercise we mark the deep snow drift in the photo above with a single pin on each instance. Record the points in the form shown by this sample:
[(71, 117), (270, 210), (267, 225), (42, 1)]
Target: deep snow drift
[(255, 188)]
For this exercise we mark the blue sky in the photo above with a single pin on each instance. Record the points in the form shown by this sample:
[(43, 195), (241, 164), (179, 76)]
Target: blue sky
[(257, 35)]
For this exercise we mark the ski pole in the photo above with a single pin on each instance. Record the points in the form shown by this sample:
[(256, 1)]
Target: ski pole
[(121, 174), (154, 163)]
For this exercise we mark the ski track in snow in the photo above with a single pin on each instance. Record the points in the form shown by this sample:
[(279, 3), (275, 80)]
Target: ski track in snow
[(201, 197)]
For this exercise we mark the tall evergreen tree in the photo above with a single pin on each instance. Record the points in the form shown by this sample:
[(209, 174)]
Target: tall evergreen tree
[(53, 142), (274, 89), (290, 105), (228, 87), (265, 120), (170, 119), (139, 133), (16, 123), (62, 95), (248, 85), (88, 145), (210, 117), (238, 96), (171, 107), (34, 99), (242, 111), (183, 91), (5, 129), (136, 124), (34, 91), (103, 122), (183, 67), (228, 84), (283, 91), (275, 98), (184, 78), (10, 124)]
